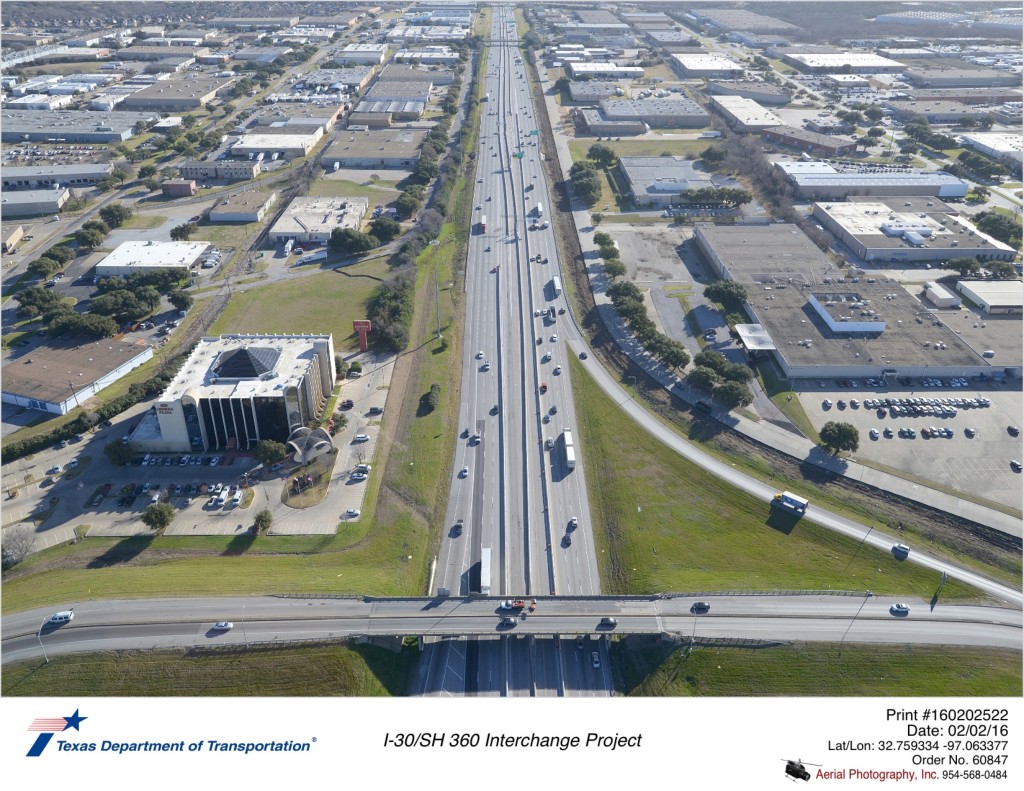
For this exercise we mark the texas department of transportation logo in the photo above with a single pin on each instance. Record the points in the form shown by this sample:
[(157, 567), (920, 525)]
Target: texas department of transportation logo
[(47, 726)]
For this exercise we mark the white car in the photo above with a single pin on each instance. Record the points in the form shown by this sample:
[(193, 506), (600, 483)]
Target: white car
[(464, 472), (352, 513), (900, 609), (486, 367), (554, 338), (358, 476), (361, 438), (558, 370), (480, 354), (223, 626)]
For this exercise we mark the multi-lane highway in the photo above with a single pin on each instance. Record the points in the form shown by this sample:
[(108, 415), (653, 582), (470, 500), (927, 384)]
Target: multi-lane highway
[(514, 495)]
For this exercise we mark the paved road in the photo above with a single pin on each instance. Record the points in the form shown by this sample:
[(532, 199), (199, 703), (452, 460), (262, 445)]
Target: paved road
[(534, 659)]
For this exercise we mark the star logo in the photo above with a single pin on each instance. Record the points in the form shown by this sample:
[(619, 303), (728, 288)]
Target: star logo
[(47, 726)]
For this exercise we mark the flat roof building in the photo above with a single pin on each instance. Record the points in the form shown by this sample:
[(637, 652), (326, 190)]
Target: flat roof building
[(706, 65), (179, 188), (245, 206), (994, 296), (740, 19), (609, 70), (171, 95), (433, 53), (349, 80), (1008, 147), (594, 90), (290, 146), (675, 41), (392, 109), (744, 115), (597, 124), (937, 112), (68, 126), (805, 140), (83, 174), (905, 230), (33, 203), (313, 219), (129, 257), (225, 169), (657, 181), (760, 92), (823, 62), (820, 181), (657, 113), (64, 373), (253, 23), (960, 78), (362, 53), (393, 148)]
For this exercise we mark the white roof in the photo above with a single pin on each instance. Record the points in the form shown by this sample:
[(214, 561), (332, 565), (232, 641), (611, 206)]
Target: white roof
[(826, 60), (155, 254), (747, 111), (707, 62), (994, 292)]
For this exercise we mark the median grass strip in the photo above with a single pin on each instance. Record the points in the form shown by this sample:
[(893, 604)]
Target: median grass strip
[(664, 524), (317, 671), (646, 667)]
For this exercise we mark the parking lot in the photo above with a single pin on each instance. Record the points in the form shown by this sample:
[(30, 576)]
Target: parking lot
[(958, 435)]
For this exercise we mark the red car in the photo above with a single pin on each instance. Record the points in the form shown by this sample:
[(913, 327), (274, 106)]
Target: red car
[(543, 387)]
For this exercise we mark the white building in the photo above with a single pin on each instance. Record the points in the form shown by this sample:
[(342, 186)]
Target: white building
[(290, 146), (362, 53), (130, 257), (313, 219)]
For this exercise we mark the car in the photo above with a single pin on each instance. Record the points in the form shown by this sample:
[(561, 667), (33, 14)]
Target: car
[(554, 338), (63, 617), (214, 461), (554, 409), (71, 464), (700, 607), (900, 549), (223, 626), (567, 540), (509, 621), (363, 468), (873, 433), (573, 523), (376, 410), (887, 433), (196, 218), (543, 387), (487, 249), (361, 438), (854, 404), (464, 472), (826, 404), (348, 403), (494, 409), (970, 432), (558, 370), (1013, 431), (357, 476), (480, 354), (352, 513), (579, 641), (1015, 465), (456, 530), (485, 367), (583, 355), (54, 470), (606, 621), (900, 609), (595, 659)]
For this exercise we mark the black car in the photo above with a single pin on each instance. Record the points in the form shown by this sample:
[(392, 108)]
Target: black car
[(700, 607), (348, 403), (583, 355), (567, 540)]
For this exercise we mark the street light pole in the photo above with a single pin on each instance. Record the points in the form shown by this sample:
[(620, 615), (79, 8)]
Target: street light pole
[(39, 636), (244, 637), (437, 293)]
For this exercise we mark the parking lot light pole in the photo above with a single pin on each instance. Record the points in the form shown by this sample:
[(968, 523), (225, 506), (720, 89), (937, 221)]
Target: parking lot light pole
[(39, 635)]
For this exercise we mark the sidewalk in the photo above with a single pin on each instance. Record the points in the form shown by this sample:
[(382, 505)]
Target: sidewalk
[(764, 432)]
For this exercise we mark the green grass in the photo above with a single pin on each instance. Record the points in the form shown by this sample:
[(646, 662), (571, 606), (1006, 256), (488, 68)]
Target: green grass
[(317, 671), (647, 668), (324, 302), (641, 148), (378, 192), (662, 524), (144, 221), (785, 398)]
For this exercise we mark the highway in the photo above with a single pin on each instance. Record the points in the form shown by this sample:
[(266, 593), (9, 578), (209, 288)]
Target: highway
[(514, 495), (520, 659)]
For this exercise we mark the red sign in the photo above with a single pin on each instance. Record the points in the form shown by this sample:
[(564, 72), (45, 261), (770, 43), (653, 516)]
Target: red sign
[(361, 325), (165, 409)]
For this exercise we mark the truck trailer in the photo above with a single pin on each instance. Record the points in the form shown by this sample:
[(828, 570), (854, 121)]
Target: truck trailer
[(570, 451), (790, 501)]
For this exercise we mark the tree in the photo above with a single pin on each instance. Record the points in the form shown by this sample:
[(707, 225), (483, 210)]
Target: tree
[(98, 225), (158, 516), (263, 520), (732, 394), (596, 218), (406, 205), (146, 171), (269, 451), (614, 268), (727, 292), (1002, 270), (43, 267), (874, 113), (602, 155), (152, 183), (17, 544), (181, 300), (348, 241), (562, 84), (385, 229), (703, 378), (183, 232), (61, 253), (120, 455), (965, 265), (839, 436), (876, 131), (89, 238), (601, 239), (116, 214), (865, 142), (424, 172)]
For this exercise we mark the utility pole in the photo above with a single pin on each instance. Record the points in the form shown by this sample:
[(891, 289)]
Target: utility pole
[(39, 635), (437, 292)]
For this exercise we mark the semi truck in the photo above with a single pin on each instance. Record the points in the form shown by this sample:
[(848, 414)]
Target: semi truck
[(540, 209), (570, 451), (319, 255), (483, 223), (556, 284), (485, 571), (791, 501)]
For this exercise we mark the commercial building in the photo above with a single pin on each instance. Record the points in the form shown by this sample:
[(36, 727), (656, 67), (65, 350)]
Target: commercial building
[(289, 146), (65, 372), (760, 92), (253, 23), (235, 390), (611, 71), (744, 115), (940, 296), (11, 237), (657, 181), (351, 80), (738, 19), (392, 109), (401, 91), (155, 53), (403, 72), (937, 112), (179, 188), (994, 297), (260, 54), (709, 66), (362, 53), (434, 53), (757, 40), (857, 62), (1008, 147), (906, 230), (411, 34), (396, 148), (594, 90), (40, 101), (596, 124), (129, 257), (297, 118), (84, 174), (960, 78), (313, 219), (811, 142), (847, 81), (965, 95), (178, 95), (243, 207), (817, 323), (820, 181), (33, 203), (226, 170), (657, 113), (675, 41)]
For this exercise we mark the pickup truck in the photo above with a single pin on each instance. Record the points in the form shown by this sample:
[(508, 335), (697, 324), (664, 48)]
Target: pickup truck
[(513, 604)]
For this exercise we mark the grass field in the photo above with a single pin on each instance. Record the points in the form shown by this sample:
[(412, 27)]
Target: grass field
[(144, 221), (647, 668), (324, 302), (778, 390), (380, 192), (663, 524), (320, 671), (646, 147)]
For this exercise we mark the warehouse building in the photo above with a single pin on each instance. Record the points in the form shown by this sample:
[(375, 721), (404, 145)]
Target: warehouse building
[(811, 142), (33, 203), (818, 324), (350, 80), (403, 72), (400, 91), (965, 95), (253, 23), (1008, 148), (760, 92), (907, 230), (596, 124), (40, 101), (313, 219), (672, 113), (154, 53), (609, 71), (396, 148), (431, 54), (288, 146), (994, 297), (594, 90), (744, 115), (393, 109), (178, 94), (129, 257), (856, 62), (937, 112), (225, 170), (65, 372), (260, 54), (740, 19), (362, 53), (179, 188), (960, 78), (235, 390), (709, 66), (85, 174), (243, 207), (657, 181), (675, 41), (68, 126), (820, 181)]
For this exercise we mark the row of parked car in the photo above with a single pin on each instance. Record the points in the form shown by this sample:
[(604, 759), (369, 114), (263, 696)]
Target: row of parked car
[(152, 460)]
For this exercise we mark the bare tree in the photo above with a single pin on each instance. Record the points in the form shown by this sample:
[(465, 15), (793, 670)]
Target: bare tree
[(17, 543)]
